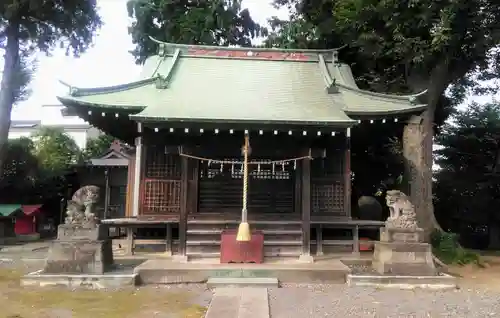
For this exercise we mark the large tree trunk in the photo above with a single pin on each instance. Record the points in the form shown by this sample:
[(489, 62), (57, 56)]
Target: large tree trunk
[(417, 151), (8, 87)]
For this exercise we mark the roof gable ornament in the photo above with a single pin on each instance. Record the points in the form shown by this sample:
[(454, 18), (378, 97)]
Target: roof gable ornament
[(162, 81), (335, 57), (162, 50), (331, 88), (73, 91)]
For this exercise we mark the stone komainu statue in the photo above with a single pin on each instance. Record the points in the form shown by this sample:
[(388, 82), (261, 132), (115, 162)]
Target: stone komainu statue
[(82, 205), (402, 211)]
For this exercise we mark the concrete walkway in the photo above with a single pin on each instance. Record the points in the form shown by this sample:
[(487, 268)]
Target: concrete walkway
[(239, 303)]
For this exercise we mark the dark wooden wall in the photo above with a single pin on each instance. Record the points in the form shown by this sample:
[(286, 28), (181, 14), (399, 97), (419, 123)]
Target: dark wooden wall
[(216, 188)]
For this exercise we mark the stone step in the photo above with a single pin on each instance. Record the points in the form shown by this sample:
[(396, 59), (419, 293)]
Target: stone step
[(267, 253), (269, 235), (164, 271), (229, 225), (266, 242), (213, 251), (266, 232), (262, 282)]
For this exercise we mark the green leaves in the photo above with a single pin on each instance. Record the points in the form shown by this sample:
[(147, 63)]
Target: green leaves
[(55, 150), (467, 183), (45, 23), (219, 22), (97, 146), (27, 26)]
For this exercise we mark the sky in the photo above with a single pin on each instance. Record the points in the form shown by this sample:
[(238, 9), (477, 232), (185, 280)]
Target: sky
[(107, 63)]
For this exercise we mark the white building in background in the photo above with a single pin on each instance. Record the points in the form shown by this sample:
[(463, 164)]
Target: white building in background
[(75, 127)]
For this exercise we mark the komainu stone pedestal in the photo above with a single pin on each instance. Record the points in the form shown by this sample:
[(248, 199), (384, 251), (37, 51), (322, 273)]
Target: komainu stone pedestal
[(80, 249), (402, 252)]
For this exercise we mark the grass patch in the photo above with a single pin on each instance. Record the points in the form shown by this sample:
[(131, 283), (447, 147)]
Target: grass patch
[(447, 248), (36, 302), (9, 275)]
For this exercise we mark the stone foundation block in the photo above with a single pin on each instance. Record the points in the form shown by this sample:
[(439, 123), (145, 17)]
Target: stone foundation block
[(81, 232), (79, 256), (399, 258), (388, 234)]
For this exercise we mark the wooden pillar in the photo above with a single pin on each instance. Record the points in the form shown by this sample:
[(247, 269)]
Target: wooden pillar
[(130, 240), (168, 240), (355, 241), (106, 192), (306, 211), (297, 204), (129, 202), (182, 256), (347, 174), (319, 240), (138, 170)]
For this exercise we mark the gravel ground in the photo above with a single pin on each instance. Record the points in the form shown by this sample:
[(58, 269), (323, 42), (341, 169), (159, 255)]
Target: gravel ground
[(342, 301)]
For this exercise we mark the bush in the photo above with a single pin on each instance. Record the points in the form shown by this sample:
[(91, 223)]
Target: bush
[(446, 247)]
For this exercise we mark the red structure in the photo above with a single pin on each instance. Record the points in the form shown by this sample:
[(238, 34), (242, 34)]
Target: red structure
[(232, 251), (26, 222)]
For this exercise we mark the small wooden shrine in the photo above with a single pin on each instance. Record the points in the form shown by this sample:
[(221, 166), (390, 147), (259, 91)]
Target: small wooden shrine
[(190, 115), (110, 173)]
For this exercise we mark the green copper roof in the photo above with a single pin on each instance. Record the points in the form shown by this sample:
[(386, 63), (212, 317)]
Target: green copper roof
[(199, 84), (9, 209), (224, 89), (361, 102)]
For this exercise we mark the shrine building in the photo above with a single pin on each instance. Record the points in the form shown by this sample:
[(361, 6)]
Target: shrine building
[(196, 111)]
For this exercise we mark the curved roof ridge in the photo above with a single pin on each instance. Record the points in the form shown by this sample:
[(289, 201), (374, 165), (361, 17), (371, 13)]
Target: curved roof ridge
[(78, 91), (350, 84), (231, 48), (409, 98), (344, 74)]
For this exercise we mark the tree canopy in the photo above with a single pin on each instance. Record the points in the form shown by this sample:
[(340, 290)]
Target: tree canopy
[(468, 183), (218, 22), (56, 151), (401, 47), (32, 26), (95, 147), (20, 168)]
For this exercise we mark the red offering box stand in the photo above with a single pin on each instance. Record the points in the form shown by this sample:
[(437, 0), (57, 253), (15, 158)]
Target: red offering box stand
[(232, 251)]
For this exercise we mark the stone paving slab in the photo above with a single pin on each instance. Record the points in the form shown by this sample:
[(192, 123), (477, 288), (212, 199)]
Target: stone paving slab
[(225, 303), (239, 303), (254, 303)]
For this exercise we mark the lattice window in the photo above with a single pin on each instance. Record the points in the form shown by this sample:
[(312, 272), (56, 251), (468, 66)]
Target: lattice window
[(161, 196), (161, 188), (271, 189), (265, 171), (327, 167), (327, 198), (327, 183), (162, 165)]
